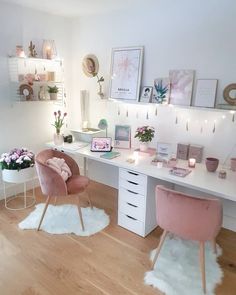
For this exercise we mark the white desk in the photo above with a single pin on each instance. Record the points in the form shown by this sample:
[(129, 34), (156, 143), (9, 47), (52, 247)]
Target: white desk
[(199, 180)]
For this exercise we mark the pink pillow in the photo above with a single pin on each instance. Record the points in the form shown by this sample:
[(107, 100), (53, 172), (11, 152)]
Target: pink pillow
[(59, 165)]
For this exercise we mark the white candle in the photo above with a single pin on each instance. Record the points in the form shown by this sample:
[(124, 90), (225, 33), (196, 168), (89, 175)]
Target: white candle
[(191, 162), (135, 156), (48, 52), (159, 164)]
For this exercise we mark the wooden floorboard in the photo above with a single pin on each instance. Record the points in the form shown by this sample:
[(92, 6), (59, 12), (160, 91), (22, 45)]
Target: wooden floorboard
[(111, 262)]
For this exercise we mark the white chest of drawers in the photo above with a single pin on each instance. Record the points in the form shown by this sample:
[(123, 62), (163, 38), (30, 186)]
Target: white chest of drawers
[(136, 202)]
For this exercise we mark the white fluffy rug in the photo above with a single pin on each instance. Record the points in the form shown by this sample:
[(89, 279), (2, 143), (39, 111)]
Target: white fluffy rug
[(64, 219), (177, 269)]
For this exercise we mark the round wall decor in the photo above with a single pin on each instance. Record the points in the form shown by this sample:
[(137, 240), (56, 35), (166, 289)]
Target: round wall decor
[(228, 95), (27, 91), (90, 65)]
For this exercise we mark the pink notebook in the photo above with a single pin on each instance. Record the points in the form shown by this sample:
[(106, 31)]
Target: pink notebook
[(148, 152), (182, 172)]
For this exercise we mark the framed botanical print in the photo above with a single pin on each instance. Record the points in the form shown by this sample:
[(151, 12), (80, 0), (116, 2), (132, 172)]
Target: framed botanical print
[(161, 91), (126, 72)]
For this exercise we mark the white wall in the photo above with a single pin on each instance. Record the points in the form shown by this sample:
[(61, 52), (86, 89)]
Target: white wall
[(176, 35), (27, 124)]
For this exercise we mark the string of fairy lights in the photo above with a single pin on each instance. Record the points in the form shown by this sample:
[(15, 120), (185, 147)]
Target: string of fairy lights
[(124, 110)]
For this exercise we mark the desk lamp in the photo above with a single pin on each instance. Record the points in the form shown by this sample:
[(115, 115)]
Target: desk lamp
[(103, 125)]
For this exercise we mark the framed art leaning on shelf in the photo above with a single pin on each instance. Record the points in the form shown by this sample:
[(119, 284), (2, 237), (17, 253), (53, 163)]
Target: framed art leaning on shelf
[(206, 93), (126, 71), (146, 94)]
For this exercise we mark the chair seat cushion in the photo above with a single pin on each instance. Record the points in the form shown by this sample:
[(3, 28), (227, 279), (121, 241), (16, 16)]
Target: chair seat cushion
[(77, 184)]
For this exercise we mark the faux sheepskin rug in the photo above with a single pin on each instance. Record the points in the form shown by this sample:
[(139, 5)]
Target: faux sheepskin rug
[(64, 219), (177, 269)]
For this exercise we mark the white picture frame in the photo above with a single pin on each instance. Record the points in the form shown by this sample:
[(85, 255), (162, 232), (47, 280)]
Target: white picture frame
[(146, 94), (126, 73), (164, 149), (206, 93), (122, 136)]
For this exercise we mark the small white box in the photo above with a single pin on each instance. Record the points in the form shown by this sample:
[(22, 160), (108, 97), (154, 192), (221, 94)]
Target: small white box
[(87, 135)]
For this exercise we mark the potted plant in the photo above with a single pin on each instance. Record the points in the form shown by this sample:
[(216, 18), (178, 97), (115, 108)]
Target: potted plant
[(58, 123), (53, 92), (17, 165), (145, 135)]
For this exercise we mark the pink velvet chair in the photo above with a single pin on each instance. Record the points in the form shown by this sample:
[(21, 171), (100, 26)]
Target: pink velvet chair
[(188, 217), (52, 183)]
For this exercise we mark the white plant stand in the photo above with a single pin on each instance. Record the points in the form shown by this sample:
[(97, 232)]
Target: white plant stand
[(15, 177)]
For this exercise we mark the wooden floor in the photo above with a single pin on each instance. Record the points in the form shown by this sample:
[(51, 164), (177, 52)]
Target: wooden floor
[(111, 262)]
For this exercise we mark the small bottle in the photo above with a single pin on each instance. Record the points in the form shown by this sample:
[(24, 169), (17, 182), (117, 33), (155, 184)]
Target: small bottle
[(41, 93)]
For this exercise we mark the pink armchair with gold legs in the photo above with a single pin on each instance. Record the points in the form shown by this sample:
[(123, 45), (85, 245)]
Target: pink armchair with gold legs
[(190, 218), (53, 185)]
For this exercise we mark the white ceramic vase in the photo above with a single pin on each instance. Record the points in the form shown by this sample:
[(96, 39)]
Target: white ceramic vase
[(143, 146), (15, 176)]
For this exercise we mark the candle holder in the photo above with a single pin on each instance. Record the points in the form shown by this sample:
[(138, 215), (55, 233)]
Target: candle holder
[(191, 163), (49, 49), (222, 174)]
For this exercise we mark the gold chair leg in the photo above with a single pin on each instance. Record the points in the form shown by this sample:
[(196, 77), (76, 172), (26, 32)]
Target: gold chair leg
[(44, 211), (89, 200), (202, 265), (80, 214), (159, 247), (213, 242)]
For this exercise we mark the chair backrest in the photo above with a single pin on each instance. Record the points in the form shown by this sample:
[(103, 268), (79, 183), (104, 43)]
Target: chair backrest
[(189, 217), (51, 182)]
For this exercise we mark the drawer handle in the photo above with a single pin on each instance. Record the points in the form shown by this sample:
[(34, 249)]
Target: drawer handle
[(133, 173), (131, 192), (135, 183), (132, 205), (131, 217)]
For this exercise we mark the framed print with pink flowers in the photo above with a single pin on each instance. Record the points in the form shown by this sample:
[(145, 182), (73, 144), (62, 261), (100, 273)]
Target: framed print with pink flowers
[(125, 73)]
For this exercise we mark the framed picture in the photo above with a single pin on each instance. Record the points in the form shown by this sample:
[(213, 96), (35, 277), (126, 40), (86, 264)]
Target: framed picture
[(206, 93), (161, 91), (146, 94), (181, 82), (122, 136), (126, 71), (101, 144), (164, 149)]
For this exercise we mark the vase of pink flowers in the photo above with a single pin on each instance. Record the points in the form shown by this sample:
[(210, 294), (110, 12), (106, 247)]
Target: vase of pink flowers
[(145, 135), (17, 165), (58, 123)]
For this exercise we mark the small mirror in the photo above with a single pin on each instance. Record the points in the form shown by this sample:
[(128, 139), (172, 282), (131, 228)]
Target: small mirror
[(230, 94), (90, 65)]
